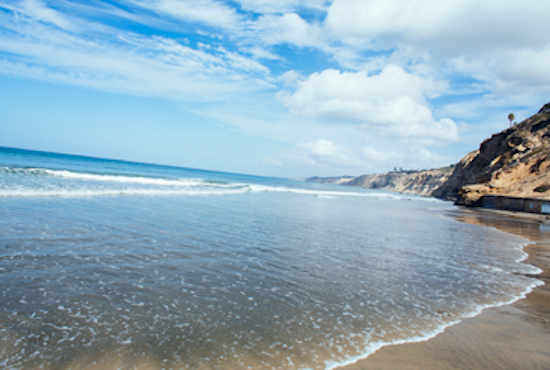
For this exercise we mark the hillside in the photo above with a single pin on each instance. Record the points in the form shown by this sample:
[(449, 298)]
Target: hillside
[(514, 162)]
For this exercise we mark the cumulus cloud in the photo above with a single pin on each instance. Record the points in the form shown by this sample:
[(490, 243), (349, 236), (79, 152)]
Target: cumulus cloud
[(393, 102)]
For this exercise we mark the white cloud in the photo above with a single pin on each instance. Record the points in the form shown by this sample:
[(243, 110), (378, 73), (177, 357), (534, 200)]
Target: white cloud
[(360, 18), (288, 28), (393, 102), (501, 43), (36, 10), (372, 154), (321, 147), (121, 61), (515, 77), (409, 157), (324, 157), (260, 53), (324, 153), (290, 78), (209, 12), (277, 22), (237, 62), (451, 24), (281, 6), (528, 66)]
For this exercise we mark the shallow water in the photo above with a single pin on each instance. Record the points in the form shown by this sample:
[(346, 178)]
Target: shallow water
[(126, 265)]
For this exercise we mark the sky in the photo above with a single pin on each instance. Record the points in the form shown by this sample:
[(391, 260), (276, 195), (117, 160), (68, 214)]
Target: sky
[(287, 88)]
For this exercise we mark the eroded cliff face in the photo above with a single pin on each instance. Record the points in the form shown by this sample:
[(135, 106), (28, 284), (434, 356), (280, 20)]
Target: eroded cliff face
[(513, 162), (409, 182)]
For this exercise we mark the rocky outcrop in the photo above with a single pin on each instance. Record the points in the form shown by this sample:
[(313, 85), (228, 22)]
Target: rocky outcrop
[(513, 162)]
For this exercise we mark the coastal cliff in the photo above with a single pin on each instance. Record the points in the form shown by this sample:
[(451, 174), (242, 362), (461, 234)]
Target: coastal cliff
[(514, 162)]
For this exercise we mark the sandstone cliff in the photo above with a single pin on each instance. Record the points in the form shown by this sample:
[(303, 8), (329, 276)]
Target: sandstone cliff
[(513, 162)]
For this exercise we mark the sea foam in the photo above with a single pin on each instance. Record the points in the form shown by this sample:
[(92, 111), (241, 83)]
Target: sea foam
[(79, 184)]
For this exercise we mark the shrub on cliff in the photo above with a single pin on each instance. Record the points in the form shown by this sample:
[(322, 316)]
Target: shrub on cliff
[(545, 108)]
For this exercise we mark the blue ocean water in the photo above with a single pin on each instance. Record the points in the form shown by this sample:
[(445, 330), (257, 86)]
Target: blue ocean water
[(116, 265)]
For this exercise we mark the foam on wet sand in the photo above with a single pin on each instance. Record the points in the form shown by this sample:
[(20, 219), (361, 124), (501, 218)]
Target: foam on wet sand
[(513, 336)]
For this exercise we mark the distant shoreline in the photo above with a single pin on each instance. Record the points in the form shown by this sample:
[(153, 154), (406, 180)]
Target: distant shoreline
[(421, 182)]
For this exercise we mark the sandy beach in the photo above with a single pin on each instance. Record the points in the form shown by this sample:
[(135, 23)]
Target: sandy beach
[(515, 336)]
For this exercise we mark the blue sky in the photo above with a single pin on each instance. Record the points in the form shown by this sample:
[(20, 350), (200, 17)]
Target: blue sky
[(290, 88)]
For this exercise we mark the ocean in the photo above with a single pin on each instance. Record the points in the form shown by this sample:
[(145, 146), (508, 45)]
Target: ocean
[(108, 264)]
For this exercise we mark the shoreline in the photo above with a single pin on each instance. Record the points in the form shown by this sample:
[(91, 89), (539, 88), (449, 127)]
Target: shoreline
[(509, 336)]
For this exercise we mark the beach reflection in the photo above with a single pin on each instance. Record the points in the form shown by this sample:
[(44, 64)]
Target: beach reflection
[(530, 226)]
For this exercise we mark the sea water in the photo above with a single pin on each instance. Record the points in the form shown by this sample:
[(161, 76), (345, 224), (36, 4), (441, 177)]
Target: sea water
[(116, 265)]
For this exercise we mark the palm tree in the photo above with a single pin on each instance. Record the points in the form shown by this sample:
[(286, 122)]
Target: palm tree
[(511, 118)]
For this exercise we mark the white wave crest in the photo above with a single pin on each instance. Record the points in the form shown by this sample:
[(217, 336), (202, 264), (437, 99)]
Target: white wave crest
[(331, 193), (128, 179), (87, 193), (124, 179), (182, 191), (92, 184)]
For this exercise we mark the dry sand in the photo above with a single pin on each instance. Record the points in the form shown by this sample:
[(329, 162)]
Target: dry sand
[(516, 336)]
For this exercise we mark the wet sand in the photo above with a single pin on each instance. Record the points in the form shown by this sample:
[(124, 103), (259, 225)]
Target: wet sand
[(515, 336)]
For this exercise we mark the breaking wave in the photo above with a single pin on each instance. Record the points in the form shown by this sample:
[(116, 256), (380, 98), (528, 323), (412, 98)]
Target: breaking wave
[(64, 183)]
